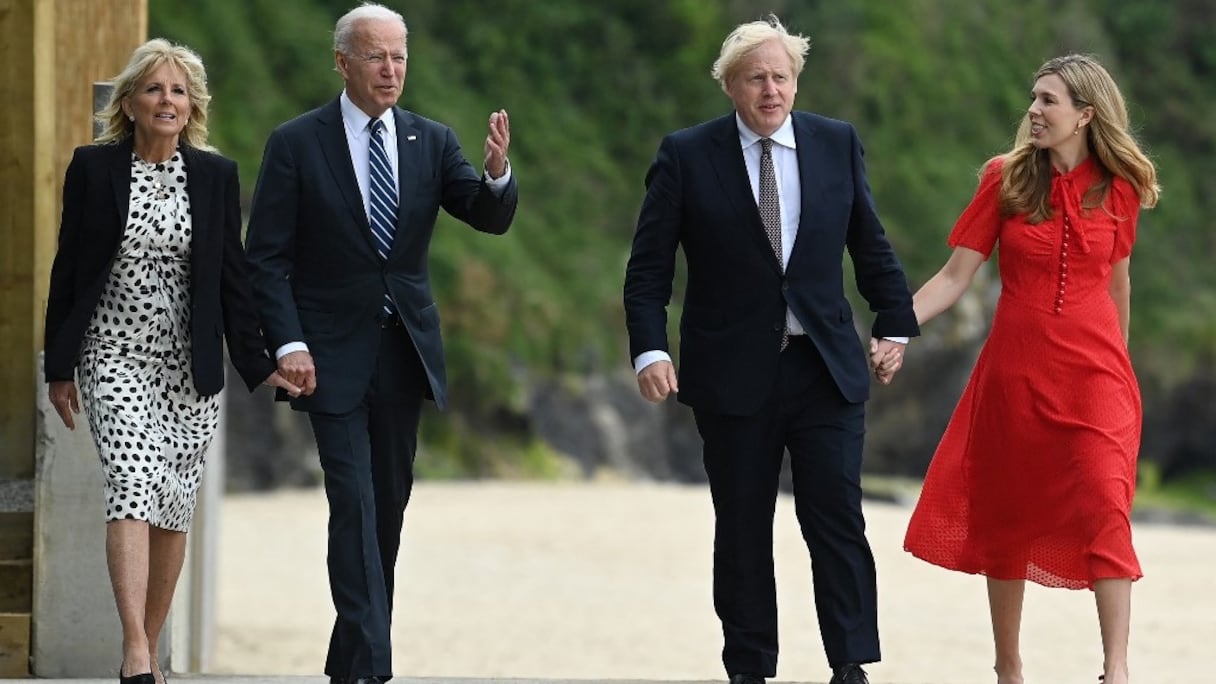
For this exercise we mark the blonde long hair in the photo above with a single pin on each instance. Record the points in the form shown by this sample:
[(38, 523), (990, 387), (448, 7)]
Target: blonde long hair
[(146, 59), (1026, 174)]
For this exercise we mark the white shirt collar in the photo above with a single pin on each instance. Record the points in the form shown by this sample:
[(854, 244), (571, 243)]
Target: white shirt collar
[(783, 136), (356, 120)]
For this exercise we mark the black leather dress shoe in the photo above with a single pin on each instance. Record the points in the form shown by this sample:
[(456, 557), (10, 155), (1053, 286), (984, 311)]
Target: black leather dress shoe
[(337, 680), (746, 679), (365, 680), (850, 674)]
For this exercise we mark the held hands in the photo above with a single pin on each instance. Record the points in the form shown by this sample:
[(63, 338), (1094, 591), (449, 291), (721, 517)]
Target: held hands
[(276, 380), (658, 380), (65, 400), (296, 373), (497, 142), (886, 357)]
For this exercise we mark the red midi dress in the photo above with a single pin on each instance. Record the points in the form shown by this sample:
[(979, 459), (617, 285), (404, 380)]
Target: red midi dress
[(1034, 476)]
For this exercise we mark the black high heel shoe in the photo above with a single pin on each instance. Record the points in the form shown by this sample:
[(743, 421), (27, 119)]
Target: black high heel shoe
[(145, 678)]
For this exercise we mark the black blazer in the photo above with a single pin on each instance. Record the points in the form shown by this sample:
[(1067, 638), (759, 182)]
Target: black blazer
[(96, 194), (698, 197), (317, 277)]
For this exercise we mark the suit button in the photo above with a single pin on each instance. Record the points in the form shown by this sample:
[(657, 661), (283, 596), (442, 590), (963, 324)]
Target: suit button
[(778, 327), (785, 285)]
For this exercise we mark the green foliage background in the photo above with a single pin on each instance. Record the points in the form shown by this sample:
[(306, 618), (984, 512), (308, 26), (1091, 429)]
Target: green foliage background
[(935, 88)]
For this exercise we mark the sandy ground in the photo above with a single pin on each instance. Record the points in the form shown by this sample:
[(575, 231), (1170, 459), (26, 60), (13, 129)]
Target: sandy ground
[(612, 581)]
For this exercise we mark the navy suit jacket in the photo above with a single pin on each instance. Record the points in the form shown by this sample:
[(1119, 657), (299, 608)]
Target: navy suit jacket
[(698, 197), (316, 275), (96, 194)]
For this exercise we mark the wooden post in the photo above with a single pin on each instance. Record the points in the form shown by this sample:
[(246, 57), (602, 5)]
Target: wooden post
[(52, 53)]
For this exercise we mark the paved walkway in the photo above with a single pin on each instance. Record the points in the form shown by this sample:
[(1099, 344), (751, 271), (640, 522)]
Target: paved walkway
[(237, 679), (610, 581)]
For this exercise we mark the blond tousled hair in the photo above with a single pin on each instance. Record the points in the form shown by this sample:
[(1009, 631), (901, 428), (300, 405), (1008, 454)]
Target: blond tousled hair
[(1026, 174), (747, 37), (146, 59)]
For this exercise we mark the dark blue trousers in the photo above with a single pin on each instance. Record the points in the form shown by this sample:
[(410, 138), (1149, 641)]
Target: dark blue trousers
[(367, 456), (807, 415)]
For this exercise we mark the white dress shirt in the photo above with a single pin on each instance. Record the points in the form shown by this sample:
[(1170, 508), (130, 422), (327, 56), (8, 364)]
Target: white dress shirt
[(358, 139), (789, 188)]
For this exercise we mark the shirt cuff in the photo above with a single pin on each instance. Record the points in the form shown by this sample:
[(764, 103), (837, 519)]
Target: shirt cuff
[(647, 358), (289, 348), (497, 185), (901, 340)]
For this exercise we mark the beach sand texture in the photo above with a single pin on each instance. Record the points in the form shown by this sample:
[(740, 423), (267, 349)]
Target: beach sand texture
[(612, 581)]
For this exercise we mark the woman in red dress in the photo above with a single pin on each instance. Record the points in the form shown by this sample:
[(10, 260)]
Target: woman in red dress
[(1034, 476)]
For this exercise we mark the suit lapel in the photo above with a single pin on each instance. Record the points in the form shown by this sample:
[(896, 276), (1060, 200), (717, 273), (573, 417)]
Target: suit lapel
[(811, 178), (120, 179), (409, 165), (726, 157), (198, 188), (331, 135)]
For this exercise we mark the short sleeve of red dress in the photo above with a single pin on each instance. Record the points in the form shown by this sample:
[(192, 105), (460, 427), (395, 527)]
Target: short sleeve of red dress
[(1125, 205), (980, 223)]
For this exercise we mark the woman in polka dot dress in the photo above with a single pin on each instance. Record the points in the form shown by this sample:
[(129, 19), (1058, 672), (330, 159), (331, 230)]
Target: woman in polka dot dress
[(148, 281)]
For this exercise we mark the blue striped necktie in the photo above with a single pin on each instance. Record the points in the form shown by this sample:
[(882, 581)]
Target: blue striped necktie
[(382, 188)]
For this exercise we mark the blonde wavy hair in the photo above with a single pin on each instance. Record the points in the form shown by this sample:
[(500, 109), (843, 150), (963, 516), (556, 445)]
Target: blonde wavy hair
[(748, 37), (146, 59), (1026, 174)]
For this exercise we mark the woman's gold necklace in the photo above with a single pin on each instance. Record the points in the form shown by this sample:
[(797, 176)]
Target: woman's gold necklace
[(160, 178), (161, 184)]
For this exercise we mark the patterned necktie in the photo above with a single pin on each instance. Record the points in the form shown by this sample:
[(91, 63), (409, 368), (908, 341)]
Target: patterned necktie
[(770, 213), (383, 194)]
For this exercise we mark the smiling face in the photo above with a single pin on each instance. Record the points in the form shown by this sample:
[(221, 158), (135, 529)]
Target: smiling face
[(763, 87), (160, 104), (375, 70), (1056, 120)]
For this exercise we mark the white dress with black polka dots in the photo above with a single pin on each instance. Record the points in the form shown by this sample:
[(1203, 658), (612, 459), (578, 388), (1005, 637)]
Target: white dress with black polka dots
[(149, 422)]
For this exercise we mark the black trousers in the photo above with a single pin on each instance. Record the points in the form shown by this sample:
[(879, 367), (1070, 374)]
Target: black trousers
[(807, 415), (367, 456)]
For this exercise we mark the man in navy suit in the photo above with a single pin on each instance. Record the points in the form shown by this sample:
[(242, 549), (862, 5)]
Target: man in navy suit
[(764, 203), (338, 237)]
